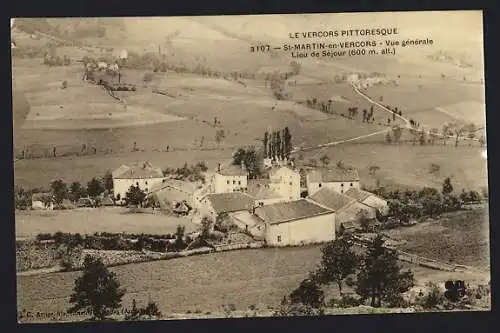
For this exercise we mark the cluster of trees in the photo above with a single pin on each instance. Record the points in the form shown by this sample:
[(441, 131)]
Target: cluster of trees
[(323, 106), (374, 276), (121, 241), (191, 173), (97, 291), (278, 144), (56, 60), (251, 159), (427, 202), (59, 191)]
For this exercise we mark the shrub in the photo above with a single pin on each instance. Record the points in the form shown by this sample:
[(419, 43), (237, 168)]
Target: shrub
[(433, 298), (347, 301)]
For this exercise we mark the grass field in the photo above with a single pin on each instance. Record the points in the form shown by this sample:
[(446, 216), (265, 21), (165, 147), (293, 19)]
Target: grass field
[(461, 237), (204, 283), (91, 220), (409, 165)]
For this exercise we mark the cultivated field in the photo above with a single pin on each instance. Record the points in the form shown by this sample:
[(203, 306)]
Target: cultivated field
[(91, 220), (202, 283)]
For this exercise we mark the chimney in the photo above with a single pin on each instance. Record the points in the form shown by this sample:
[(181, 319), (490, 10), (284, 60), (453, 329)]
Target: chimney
[(218, 167)]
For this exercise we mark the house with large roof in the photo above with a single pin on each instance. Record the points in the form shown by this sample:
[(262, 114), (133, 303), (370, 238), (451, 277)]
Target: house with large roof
[(218, 203), (229, 178), (348, 210), (143, 175), (296, 222), (369, 200), (337, 179)]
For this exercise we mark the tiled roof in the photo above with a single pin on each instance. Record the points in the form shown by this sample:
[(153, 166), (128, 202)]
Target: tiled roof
[(276, 169), (142, 171), (358, 194), (289, 211), (231, 170), (259, 190), (333, 175), (246, 218), (230, 202), (331, 199), (120, 170)]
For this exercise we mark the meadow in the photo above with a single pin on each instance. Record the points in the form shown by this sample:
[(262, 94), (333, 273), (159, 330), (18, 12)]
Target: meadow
[(204, 283), (91, 220)]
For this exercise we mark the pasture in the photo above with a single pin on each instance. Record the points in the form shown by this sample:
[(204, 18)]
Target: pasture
[(407, 165), (91, 220), (201, 283), (460, 237)]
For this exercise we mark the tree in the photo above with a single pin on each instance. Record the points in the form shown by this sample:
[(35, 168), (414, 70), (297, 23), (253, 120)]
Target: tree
[(108, 181), (279, 152), (388, 137), (250, 159), (219, 136), (325, 160), (76, 191), (482, 140), (59, 191), (447, 187), (308, 293), (372, 169), (94, 188), (134, 196), (265, 143), (148, 77), (380, 278), (96, 290), (338, 261), (458, 130), (397, 131), (64, 84)]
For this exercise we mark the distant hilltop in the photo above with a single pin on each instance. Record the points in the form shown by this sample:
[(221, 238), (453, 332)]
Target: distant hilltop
[(457, 60)]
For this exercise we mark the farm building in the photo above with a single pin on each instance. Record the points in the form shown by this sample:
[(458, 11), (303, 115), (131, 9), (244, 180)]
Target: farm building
[(296, 222), (143, 175), (42, 201), (170, 192), (260, 190), (348, 211), (368, 199), (229, 179), (337, 179), (286, 182), (250, 223), (218, 203)]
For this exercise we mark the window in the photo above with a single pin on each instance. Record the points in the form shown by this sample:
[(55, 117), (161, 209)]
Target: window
[(137, 183), (291, 184), (239, 182), (228, 182), (351, 184), (146, 182), (279, 239), (342, 184), (319, 185), (234, 182)]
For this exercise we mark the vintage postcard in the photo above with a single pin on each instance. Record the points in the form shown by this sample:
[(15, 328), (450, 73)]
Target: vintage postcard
[(249, 166)]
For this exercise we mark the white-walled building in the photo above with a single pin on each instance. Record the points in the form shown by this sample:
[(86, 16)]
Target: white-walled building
[(338, 179), (260, 190), (348, 211), (296, 222), (43, 201), (144, 175), (229, 179), (286, 182), (369, 200)]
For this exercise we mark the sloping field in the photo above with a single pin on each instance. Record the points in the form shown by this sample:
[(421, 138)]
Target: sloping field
[(408, 165), (204, 283), (419, 99), (91, 220), (461, 237)]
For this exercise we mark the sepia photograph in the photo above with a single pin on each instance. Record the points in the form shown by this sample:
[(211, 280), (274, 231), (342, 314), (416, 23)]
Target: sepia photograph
[(277, 165)]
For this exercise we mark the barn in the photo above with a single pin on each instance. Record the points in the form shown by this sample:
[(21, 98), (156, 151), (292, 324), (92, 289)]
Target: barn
[(368, 199), (296, 223)]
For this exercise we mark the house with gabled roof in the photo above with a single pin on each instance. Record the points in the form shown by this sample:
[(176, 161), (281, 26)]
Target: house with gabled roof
[(369, 200), (144, 175), (285, 181), (337, 179), (260, 190), (348, 210), (229, 178), (296, 222), (218, 203)]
